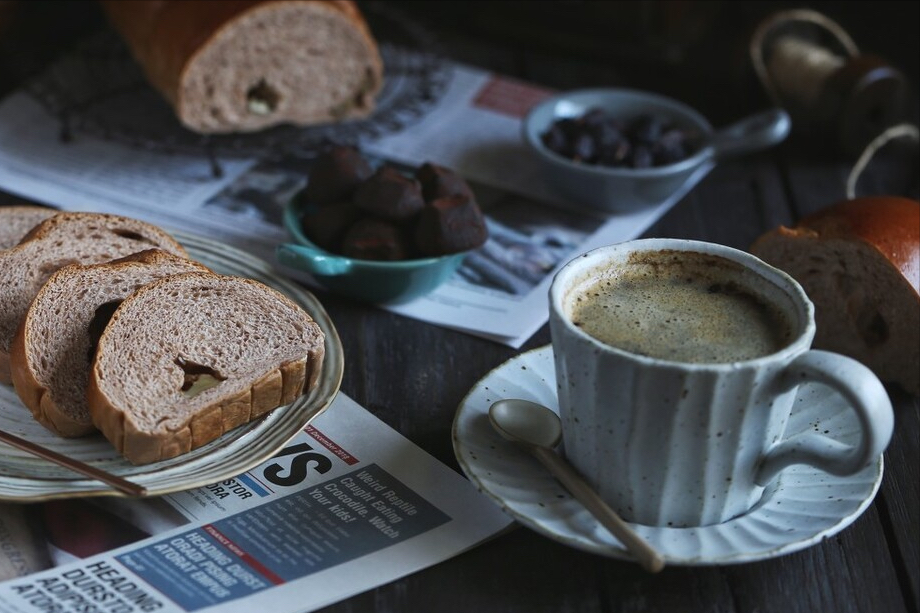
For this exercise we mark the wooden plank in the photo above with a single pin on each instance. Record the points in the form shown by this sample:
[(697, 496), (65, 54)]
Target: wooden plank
[(900, 495), (815, 183)]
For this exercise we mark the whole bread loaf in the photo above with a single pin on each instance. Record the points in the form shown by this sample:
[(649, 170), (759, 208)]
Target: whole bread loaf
[(244, 65), (53, 349), (17, 220), (859, 262), (189, 357), (65, 238)]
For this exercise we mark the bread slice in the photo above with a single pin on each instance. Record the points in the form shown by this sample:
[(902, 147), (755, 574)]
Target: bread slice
[(17, 220), (246, 65), (219, 352), (65, 238), (859, 262), (52, 351)]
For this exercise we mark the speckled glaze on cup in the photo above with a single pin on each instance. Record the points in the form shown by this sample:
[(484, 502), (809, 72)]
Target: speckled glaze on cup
[(688, 444)]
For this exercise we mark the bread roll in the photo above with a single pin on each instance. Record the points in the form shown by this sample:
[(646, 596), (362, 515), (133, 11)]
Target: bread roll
[(859, 262), (245, 65), (53, 349), (189, 357), (17, 220), (65, 238)]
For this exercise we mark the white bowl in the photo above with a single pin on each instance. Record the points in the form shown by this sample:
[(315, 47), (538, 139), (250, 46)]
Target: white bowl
[(623, 189)]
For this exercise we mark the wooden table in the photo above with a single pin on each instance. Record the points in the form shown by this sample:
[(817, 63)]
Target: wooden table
[(413, 375)]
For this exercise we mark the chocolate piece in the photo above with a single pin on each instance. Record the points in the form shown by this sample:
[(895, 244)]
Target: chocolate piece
[(671, 147), (375, 239), (326, 225), (450, 225), (335, 175), (438, 181), (388, 194), (597, 137)]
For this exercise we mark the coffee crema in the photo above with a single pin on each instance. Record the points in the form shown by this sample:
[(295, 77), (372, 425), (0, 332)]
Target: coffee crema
[(683, 307)]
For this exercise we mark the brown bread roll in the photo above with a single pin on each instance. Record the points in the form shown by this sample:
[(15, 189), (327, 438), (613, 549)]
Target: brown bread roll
[(245, 65), (191, 356), (62, 239), (859, 262), (53, 349), (17, 220)]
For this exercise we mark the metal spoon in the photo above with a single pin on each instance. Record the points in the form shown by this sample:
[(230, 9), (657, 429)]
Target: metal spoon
[(539, 429)]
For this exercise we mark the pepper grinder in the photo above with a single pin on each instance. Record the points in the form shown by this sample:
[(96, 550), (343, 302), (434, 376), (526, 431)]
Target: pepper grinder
[(827, 86)]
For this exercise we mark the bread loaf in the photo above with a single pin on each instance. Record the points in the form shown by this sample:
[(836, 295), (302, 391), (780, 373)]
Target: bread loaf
[(244, 65), (219, 352), (65, 238), (17, 220), (53, 349), (859, 262)]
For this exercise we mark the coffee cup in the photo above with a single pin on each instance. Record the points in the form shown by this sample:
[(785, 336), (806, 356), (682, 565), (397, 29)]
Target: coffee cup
[(677, 364)]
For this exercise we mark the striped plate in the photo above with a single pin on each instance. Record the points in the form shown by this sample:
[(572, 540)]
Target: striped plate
[(24, 477)]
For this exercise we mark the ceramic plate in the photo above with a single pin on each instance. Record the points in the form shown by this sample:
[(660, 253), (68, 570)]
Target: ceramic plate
[(800, 508), (24, 477)]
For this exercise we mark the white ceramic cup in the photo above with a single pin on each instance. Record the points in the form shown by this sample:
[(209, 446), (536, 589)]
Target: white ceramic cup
[(669, 443)]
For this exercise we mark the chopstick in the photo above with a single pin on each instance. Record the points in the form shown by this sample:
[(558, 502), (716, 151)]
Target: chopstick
[(122, 485)]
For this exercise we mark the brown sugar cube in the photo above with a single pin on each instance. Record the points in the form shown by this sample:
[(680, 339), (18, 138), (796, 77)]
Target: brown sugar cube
[(335, 175), (326, 225), (388, 194), (450, 225), (438, 181), (375, 239)]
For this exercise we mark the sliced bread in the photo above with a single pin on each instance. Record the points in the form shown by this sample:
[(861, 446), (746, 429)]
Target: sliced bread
[(219, 352), (65, 238), (859, 262), (17, 220), (247, 65), (52, 352)]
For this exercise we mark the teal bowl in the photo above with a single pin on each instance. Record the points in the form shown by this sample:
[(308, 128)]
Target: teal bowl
[(367, 280)]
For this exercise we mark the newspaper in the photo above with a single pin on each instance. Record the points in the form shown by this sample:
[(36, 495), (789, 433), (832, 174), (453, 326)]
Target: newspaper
[(474, 128), (347, 505)]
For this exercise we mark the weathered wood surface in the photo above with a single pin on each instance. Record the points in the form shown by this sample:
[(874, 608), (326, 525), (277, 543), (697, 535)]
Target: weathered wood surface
[(413, 375)]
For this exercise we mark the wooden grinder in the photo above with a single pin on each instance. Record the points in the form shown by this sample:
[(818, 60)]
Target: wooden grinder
[(827, 85)]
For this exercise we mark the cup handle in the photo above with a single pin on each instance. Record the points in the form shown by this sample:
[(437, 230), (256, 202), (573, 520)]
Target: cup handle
[(863, 392)]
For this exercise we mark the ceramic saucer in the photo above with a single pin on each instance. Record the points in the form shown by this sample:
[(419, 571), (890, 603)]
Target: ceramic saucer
[(800, 508)]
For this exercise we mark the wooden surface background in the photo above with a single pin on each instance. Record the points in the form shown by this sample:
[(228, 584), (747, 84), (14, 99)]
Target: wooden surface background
[(414, 375)]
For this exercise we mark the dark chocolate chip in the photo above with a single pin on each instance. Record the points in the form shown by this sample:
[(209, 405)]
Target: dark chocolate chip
[(375, 239), (388, 194), (450, 225), (597, 137), (438, 181), (335, 175), (326, 225)]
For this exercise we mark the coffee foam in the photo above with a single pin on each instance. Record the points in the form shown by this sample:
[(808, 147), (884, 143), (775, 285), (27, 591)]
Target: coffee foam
[(681, 306)]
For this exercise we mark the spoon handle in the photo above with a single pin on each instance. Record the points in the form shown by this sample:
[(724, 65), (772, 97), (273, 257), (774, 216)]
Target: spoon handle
[(122, 485), (650, 559)]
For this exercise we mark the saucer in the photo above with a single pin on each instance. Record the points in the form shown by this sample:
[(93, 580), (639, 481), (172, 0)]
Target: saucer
[(802, 506)]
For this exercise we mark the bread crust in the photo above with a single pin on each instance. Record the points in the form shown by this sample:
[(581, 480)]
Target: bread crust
[(69, 421), (18, 219), (889, 224), (167, 36), (859, 262), (25, 262), (279, 386)]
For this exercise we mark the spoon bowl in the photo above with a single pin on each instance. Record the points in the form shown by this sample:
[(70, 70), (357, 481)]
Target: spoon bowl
[(525, 422), (539, 429)]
